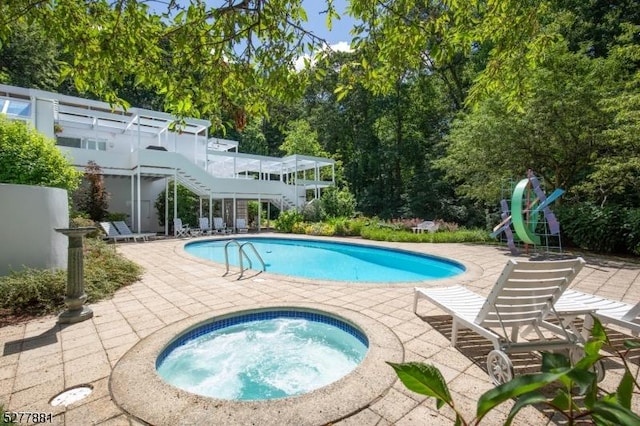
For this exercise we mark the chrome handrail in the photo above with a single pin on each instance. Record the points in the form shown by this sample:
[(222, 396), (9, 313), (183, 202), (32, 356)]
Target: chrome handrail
[(249, 244), (241, 253), (226, 254)]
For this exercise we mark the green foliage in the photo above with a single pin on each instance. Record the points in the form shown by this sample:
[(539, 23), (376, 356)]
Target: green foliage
[(336, 202), (39, 292), (301, 139), (203, 58), (29, 158), (287, 219), (605, 229), (188, 206), (345, 226), (92, 197), (312, 211), (115, 216), (28, 59), (320, 228), (577, 395), (106, 271), (300, 228), (557, 131), (83, 222), (33, 291), (378, 233)]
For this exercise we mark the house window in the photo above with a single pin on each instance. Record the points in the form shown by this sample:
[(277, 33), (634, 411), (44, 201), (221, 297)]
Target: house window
[(94, 144), (67, 141), (83, 143), (15, 108)]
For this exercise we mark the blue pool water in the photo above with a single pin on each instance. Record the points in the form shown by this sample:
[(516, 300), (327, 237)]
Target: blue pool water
[(331, 260), (265, 355)]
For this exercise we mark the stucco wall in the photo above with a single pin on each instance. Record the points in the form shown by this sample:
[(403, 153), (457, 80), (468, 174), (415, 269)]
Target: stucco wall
[(28, 216)]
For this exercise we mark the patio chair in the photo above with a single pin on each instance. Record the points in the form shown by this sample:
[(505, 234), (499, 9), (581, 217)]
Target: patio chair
[(220, 227), (112, 233), (241, 226), (523, 296), (607, 311), (427, 225), (123, 229), (205, 229), (180, 230)]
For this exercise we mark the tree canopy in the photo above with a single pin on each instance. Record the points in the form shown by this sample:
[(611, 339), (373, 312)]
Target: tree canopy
[(202, 59), (436, 108)]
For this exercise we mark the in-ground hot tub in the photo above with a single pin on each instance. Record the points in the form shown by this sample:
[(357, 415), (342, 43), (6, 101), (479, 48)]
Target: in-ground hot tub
[(263, 355), (138, 389)]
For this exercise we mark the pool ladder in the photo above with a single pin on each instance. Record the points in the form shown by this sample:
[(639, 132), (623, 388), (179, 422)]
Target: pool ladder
[(242, 254)]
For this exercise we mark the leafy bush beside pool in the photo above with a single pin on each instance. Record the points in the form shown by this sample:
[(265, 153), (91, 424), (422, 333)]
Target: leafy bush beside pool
[(374, 229), (459, 236), (39, 292)]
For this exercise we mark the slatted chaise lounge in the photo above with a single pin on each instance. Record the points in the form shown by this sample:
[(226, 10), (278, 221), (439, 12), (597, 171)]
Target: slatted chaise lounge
[(123, 229), (522, 297), (607, 311)]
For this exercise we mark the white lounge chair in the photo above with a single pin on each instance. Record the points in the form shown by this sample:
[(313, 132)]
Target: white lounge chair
[(180, 230), (241, 226), (203, 222), (427, 225), (607, 311), (220, 227), (112, 232), (123, 229), (523, 296)]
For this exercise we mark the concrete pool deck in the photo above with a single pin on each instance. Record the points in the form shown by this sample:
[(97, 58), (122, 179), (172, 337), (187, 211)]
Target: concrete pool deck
[(41, 358)]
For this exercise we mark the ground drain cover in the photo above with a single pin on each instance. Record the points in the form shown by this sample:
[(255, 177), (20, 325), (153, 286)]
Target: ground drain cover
[(71, 395)]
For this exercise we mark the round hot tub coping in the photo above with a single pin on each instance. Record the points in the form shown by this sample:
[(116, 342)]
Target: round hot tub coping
[(138, 389)]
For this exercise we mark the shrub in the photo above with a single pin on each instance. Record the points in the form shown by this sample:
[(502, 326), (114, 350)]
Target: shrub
[(355, 226), (379, 233), (106, 271), (287, 219), (320, 228), (337, 203), (299, 228), (92, 197), (312, 212), (631, 230), (33, 291), (83, 222), (341, 226), (592, 227), (28, 157), (39, 292)]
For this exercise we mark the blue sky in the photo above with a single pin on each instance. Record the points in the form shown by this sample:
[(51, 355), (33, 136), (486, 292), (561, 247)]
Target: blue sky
[(341, 28)]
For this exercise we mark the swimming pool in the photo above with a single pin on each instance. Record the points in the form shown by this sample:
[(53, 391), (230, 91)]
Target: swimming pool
[(260, 356), (332, 260)]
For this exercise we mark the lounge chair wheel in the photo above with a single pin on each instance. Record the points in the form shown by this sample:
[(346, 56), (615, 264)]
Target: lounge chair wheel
[(576, 354), (500, 367)]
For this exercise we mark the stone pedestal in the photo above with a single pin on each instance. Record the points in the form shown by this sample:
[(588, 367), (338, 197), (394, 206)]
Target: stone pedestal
[(75, 297)]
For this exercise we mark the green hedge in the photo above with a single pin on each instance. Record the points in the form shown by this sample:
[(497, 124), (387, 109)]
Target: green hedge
[(460, 236), (30, 158), (609, 229), (39, 292)]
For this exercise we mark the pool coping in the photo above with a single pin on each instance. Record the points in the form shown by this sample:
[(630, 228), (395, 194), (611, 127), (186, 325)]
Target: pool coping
[(472, 271), (136, 387)]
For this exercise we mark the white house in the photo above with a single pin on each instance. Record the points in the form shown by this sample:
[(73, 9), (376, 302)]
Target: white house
[(139, 154)]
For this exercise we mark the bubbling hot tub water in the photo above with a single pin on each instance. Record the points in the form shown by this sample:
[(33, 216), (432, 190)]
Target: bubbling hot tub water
[(263, 356)]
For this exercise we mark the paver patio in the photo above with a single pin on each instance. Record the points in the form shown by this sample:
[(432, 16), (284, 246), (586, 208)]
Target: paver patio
[(40, 358)]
